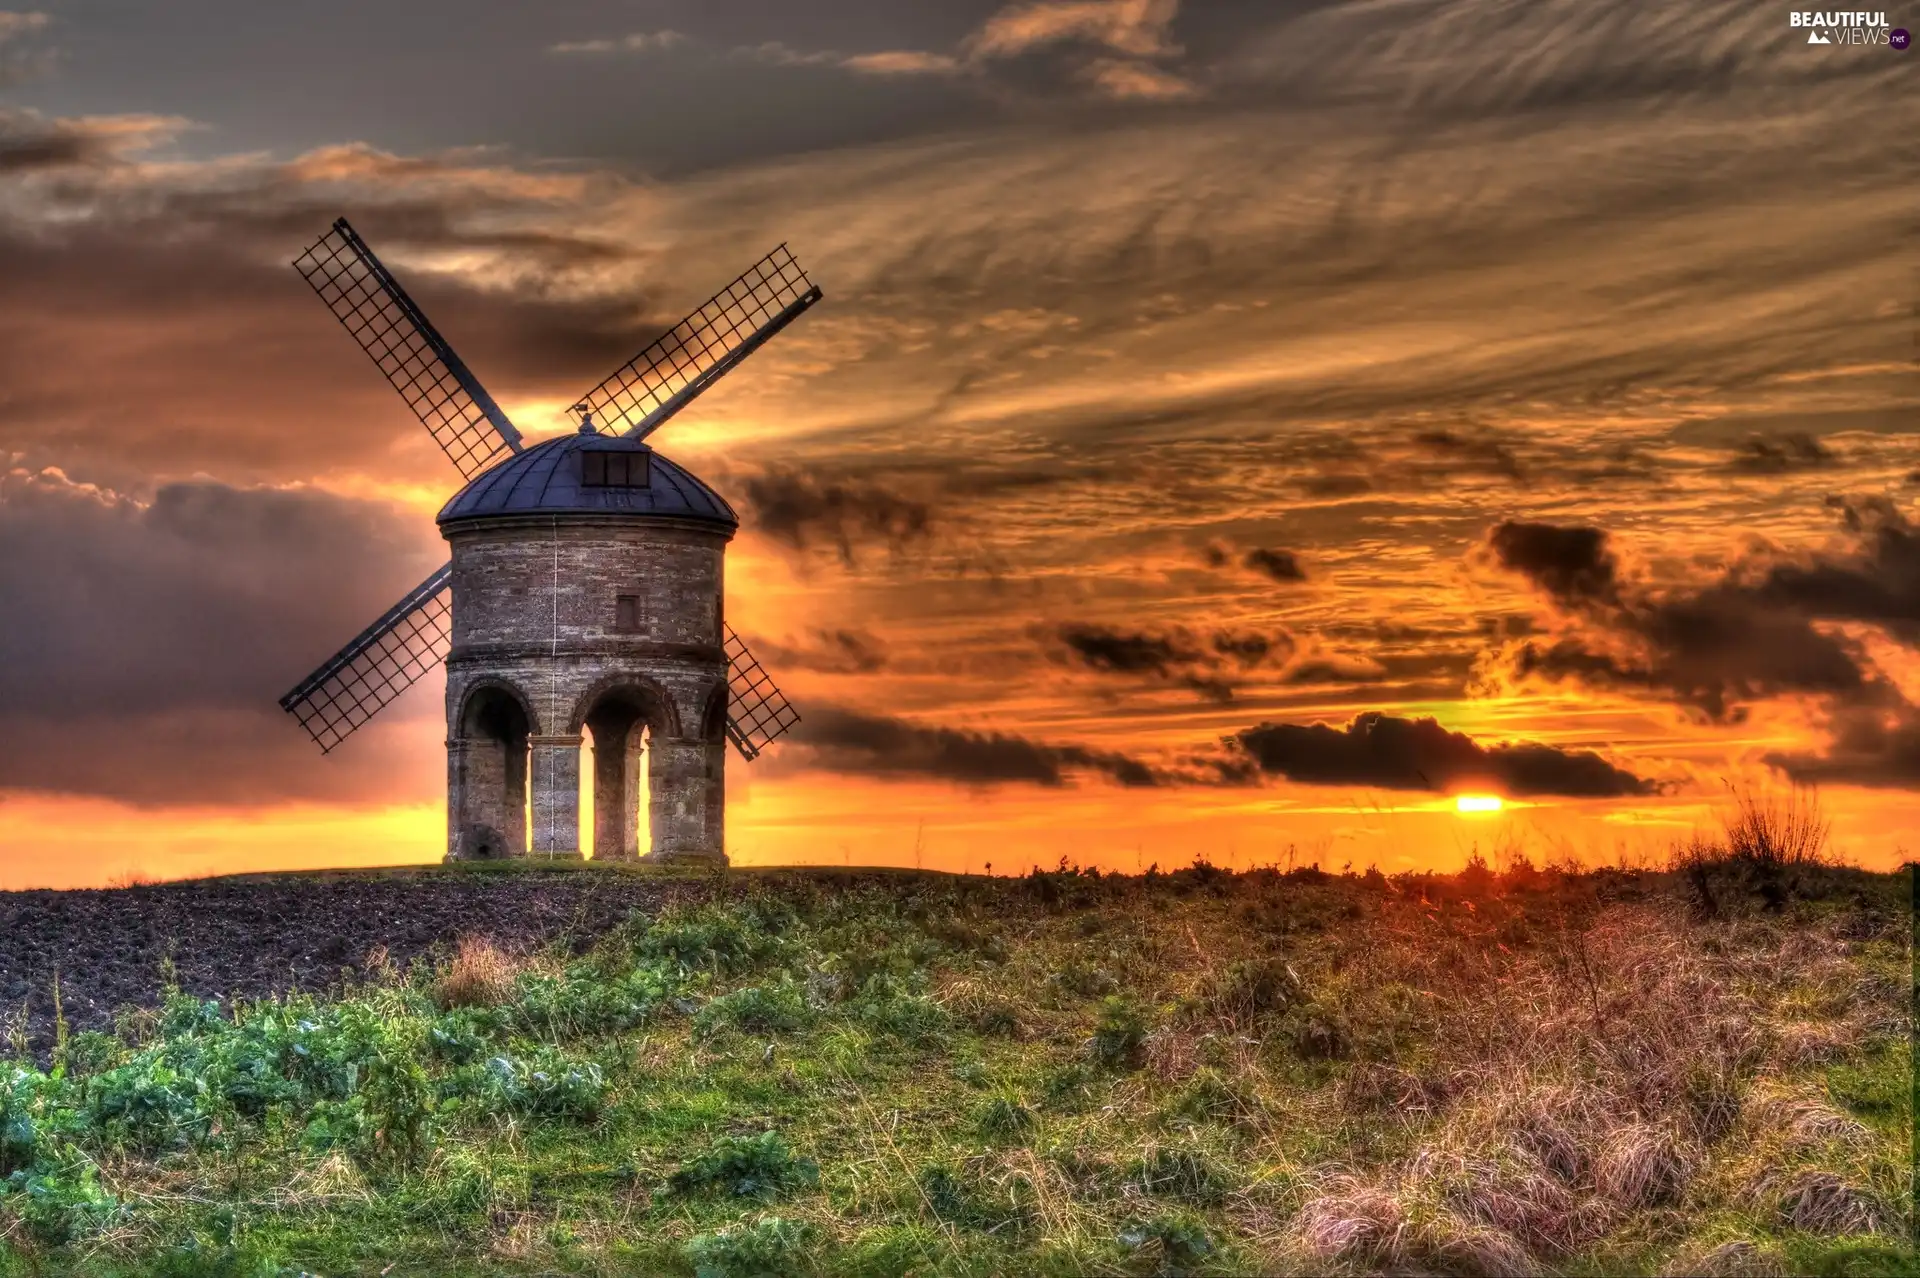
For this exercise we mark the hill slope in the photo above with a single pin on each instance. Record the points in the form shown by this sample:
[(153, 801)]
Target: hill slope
[(889, 1074)]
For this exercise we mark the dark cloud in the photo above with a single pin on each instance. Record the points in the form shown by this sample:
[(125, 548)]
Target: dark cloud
[(1866, 747), (803, 510), (849, 741), (1782, 454), (1178, 655), (146, 645), (825, 651), (1129, 652), (1748, 636), (1573, 565), (1877, 580), (1485, 455), (1376, 749), (1281, 565)]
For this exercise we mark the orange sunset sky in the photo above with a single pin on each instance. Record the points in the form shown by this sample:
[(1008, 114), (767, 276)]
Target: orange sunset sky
[(1229, 428)]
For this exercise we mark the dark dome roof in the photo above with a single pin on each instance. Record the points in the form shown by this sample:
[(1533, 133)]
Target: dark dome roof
[(545, 480)]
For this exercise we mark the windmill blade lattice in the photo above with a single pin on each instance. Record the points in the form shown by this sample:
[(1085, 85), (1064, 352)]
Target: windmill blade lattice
[(447, 398), (664, 378), (757, 711), (382, 662)]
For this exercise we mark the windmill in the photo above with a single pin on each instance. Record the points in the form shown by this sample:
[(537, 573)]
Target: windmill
[(585, 590)]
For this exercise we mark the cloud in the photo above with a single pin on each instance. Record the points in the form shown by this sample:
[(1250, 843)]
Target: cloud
[(30, 142), (1280, 565), (1204, 665), (14, 24), (1573, 565), (1109, 46), (837, 651), (1376, 749), (19, 60), (149, 642), (850, 741), (1137, 28), (636, 42), (1136, 81), (802, 510), (902, 62), (1749, 635), (1875, 748), (1794, 451)]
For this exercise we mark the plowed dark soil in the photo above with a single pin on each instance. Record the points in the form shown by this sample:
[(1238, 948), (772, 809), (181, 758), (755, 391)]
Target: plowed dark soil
[(255, 936)]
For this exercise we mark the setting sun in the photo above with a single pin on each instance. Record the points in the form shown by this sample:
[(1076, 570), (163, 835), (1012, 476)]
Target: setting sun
[(1477, 803)]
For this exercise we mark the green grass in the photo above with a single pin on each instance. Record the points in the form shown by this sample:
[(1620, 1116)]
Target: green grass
[(867, 1074)]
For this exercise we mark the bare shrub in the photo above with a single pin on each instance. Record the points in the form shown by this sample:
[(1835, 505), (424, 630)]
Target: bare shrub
[(1802, 1043), (1803, 1117), (1512, 1193), (480, 975), (1820, 1202), (1354, 1222), (1642, 1166), (1766, 828), (1456, 1246)]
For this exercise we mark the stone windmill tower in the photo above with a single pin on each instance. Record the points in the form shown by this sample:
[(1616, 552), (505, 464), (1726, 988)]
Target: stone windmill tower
[(586, 592)]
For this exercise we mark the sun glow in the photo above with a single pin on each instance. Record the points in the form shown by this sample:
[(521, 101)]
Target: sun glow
[(1477, 803)]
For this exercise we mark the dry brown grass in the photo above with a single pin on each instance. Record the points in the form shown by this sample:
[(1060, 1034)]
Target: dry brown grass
[(1645, 1166), (1822, 1202), (480, 975)]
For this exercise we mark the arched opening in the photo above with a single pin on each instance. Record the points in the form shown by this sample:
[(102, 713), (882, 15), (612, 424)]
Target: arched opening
[(490, 775), (620, 725)]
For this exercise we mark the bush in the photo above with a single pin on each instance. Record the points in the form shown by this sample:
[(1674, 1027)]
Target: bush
[(584, 1002), (59, 1207), (480, 975), (956, 1199), (148, 1104), (1006, 1119), (748, 1167), (1179, 1243), (1251, 989), (886, 1008), (1119, 1033), (758, 1009), (719, 938), (546, 1083), (768, 1248), (1181, 1172)]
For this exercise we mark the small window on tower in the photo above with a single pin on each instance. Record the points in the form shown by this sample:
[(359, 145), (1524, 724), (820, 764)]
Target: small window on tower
[(626, 613)]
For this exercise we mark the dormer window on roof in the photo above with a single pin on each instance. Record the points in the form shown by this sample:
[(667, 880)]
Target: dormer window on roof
[(614, 468)]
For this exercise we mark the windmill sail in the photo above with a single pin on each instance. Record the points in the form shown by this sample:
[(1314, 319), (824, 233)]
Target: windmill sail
[(644, 392), (757, 711), (447, 398), (382, 662)]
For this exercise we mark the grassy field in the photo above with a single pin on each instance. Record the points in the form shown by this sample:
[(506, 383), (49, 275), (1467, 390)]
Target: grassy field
[(1699, 1071)]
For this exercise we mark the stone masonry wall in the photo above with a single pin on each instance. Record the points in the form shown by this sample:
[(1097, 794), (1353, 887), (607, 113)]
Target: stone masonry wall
[(534, 604)]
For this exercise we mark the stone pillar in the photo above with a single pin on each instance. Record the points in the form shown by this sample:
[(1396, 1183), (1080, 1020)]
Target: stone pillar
[(481, 819), (630, 793), (456, 795), (678, 771), (716, 761), (556, 795)]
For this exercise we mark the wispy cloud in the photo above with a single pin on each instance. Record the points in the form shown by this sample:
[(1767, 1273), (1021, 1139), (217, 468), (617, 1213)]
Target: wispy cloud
[(1136, 28), (19, 59), (636, 42), (1116, 48)]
